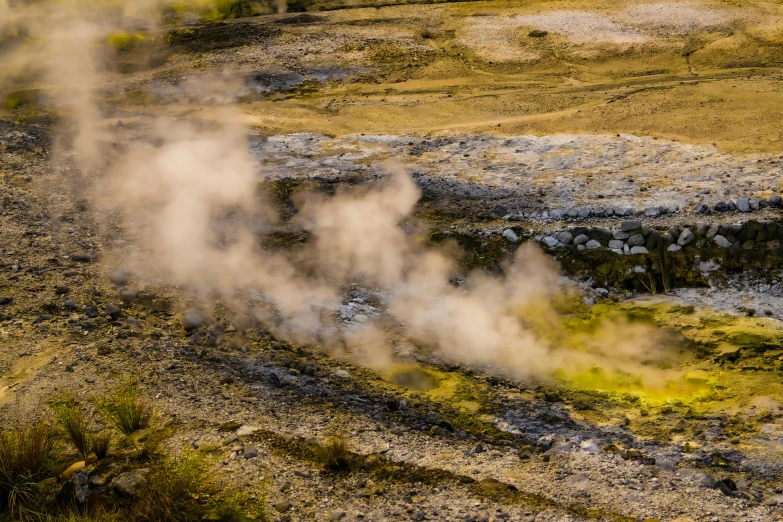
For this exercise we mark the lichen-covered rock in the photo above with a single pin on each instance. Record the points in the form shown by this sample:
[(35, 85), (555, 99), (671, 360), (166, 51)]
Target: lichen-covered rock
[(130, 482)]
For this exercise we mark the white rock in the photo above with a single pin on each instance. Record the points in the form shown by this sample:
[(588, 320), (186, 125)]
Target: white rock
[(246, 430), (592, 244), (674, 248), (639, 250), (510, 235), (721, 241)]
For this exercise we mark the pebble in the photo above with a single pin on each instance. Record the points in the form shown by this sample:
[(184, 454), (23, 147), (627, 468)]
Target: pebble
[(250, 452)]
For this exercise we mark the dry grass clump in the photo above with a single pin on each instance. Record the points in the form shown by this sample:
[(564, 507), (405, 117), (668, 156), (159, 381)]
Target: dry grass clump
[(29, 454), (335, 454), (126, 410)]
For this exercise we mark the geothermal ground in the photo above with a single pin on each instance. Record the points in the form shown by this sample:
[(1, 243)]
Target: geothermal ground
[(638, 145)]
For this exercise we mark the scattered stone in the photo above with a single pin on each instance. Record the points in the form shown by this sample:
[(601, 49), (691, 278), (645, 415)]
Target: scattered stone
[(702, 208), (250, 452), (246, 430), (720, 206), (112, 310), (128, 296), (191, 321), (7, 300), (342, 374), (510, 235), (337, 515), (697, 477), (130, 482), (283, 506), (537, 33), (119, 278), (592, 244), (81, 258)]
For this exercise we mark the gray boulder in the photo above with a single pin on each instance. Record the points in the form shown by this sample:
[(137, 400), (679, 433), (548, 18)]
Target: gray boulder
[(130, 482), (191, 321), (639, 250), (565, 237), (674, 247), (616, 243), (686, 237), (743, 205), (621, 235), (558, 214), (721, 241), (592, 244), (550, 241), (754, 203), (581, 239), (652, 211), (81, 485), (636, 240), (627, 226)]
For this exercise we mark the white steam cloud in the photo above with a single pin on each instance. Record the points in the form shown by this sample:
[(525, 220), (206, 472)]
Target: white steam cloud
[(188, 195)]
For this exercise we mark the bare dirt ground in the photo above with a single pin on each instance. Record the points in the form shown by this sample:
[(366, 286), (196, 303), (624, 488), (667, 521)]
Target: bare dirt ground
[(626, 104)]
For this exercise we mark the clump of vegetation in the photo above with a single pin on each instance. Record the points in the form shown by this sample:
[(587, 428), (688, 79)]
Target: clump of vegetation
[(335, 454), (73, 422), (79, 431), (28, 455), (180, 490), (128, 411)]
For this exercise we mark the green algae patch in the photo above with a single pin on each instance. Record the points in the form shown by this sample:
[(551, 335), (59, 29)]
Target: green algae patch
[(451, 388)]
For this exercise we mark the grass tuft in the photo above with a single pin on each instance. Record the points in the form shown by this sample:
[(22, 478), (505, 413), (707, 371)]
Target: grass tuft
[(72, 421), (335, 454), (127, 411)]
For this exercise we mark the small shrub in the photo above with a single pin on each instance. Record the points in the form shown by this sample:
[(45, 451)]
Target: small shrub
[(28, 455), (334, 454), (126, 410)]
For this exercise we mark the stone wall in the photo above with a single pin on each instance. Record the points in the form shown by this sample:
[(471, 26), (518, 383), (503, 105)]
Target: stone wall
[(635, 237)]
